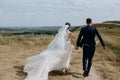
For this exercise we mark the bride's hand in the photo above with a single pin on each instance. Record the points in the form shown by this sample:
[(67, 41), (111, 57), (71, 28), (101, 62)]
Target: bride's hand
[(76, 48), (73, 47)]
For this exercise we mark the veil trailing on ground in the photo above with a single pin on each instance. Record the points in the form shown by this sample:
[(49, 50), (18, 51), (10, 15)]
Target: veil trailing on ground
[(56, 56), (59, 40)]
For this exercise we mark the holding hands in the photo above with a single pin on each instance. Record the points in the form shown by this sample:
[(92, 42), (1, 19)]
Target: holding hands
[(76, 47)]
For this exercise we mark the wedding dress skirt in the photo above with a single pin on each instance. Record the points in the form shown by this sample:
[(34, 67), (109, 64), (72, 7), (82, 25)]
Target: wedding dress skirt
[(40, 65)]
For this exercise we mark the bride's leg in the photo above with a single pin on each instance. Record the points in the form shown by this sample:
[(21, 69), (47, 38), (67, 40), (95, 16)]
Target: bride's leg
[(65, 70)]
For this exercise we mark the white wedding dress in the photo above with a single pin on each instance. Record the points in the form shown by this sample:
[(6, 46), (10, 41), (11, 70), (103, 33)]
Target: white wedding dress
[(56, 56)]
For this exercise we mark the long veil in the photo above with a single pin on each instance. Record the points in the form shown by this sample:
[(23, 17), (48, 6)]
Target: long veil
[(56, 56), (60, 39)]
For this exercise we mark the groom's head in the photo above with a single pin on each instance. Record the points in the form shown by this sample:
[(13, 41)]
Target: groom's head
[(88, 20)]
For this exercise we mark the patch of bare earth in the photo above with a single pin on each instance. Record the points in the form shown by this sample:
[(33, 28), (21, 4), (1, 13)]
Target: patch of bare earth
[(12, 61)]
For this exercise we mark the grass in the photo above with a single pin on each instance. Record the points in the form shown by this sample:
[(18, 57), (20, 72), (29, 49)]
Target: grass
[(26, 40), (106, 63), (112, 39)]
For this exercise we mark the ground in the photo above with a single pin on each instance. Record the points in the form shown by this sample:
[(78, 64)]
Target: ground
[(14, 51), (13, 60)]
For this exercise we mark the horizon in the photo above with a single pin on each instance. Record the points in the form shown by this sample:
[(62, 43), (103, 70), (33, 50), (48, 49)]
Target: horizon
[(46, 26), (50, 25)]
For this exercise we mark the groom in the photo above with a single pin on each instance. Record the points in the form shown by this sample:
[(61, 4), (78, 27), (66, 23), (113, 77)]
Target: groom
[(86, 39)]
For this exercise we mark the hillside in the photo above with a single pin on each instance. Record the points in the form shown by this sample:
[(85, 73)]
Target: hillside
[(36, 30), (110, 59), (106, 64), (117, 22)]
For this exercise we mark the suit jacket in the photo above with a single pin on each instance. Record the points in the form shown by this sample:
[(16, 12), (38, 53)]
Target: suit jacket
[(88, 35)]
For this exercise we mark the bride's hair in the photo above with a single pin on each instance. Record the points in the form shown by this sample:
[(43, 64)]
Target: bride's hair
[(69, 24)]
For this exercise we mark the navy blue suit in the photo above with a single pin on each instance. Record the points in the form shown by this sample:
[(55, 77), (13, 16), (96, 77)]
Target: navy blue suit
[(87, 36)]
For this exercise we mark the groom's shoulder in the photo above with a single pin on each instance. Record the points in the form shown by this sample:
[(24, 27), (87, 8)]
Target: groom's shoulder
[(94, 27), (82, 29), (89, 28)]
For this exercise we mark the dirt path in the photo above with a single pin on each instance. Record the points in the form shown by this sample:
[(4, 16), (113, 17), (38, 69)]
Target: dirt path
[(92, 76), (76, 72), (13, 60)]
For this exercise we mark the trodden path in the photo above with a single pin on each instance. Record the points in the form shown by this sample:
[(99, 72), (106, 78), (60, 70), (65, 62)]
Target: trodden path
[(14, 63), (76, 72)]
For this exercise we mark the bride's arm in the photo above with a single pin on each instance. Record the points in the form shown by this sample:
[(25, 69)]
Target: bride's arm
[(72, 38)]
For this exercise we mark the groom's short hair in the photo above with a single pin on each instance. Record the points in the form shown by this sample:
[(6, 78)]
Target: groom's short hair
[(88, 20)]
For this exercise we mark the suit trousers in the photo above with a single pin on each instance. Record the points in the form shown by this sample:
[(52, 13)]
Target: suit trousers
[(88, 53)]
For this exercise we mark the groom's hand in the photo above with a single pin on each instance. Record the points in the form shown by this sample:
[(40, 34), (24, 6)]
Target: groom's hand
[(76, 47)]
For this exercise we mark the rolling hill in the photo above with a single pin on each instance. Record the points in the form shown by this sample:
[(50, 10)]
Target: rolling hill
[(15, 49)]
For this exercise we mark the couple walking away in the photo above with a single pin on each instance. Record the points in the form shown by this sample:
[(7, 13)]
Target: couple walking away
[(58, 53)]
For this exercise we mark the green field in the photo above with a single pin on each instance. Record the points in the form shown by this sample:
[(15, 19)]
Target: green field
[(46, 30)]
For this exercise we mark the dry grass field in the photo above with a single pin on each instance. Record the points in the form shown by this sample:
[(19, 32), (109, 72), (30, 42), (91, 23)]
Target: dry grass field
[(15, 49)]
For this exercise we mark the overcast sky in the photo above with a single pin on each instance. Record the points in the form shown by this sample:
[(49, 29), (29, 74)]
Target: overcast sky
[(56, 12)]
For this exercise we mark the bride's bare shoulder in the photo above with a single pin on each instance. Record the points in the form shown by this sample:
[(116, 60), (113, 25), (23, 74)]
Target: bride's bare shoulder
[(69, 32)]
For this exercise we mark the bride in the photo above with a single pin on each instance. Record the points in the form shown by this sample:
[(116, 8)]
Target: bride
[(55, 57)]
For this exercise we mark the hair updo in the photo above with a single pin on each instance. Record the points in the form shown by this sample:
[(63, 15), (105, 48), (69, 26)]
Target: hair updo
[(69, 24)]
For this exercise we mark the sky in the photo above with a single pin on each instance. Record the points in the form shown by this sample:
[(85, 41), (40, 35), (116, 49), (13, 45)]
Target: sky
[(57, 12)]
